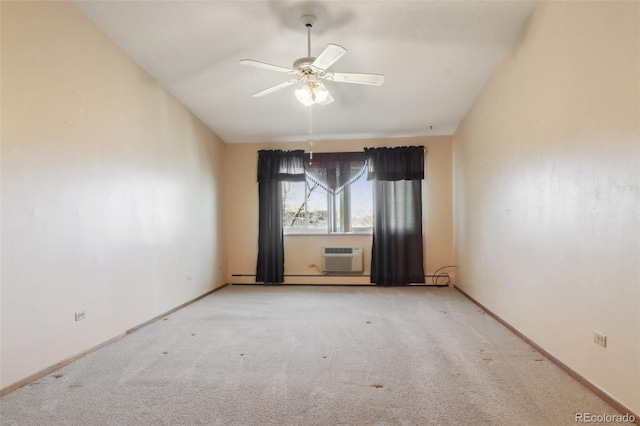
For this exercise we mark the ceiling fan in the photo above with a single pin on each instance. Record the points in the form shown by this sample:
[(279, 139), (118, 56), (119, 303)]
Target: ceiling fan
[(311, 70)]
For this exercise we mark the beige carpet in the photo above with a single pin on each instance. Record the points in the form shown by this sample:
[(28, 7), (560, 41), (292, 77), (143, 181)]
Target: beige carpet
[(293, 355)]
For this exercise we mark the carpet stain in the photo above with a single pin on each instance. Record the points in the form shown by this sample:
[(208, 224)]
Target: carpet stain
[(241, 354), (74, 386), (57, 376), (164, 353), (444, 312), (377, 386), (164, 319), (481, 350), (487, 360), (368, 322), (539, 359), (324, 357), (193, 334)]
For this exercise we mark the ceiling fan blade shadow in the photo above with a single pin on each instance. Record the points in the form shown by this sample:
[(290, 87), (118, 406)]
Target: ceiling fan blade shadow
[(356, 78), (275, 88), (264, 65), (329, 56)]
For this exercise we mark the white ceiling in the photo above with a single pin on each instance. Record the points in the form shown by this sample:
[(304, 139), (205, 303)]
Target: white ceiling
[(436, 56)]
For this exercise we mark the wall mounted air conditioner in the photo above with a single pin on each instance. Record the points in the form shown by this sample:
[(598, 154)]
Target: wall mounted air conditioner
[(342, 259)]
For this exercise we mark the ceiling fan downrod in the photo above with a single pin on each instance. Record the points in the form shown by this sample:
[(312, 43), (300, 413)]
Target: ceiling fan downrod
[(308, 21)]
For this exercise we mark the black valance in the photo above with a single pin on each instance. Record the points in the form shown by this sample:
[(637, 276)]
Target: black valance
[(393, 164), (279, 166), (333, 171)]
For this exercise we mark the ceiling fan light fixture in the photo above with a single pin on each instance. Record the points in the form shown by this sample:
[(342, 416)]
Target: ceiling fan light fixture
[(305, 95), (313, 92), (327, 100), (321, 93)]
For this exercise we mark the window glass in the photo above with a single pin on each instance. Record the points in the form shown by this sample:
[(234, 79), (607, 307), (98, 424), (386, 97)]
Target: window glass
[(362, 203), (293, 200), (316, 206), (309, 207)]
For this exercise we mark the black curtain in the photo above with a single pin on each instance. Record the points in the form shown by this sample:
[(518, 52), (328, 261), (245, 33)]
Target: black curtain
[(274, 167), (397, 252)]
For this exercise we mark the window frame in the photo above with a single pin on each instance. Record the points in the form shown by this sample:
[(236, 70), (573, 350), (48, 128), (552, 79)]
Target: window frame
[(332, 227)]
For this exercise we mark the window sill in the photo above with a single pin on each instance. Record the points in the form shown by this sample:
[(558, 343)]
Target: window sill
[(326, 234)]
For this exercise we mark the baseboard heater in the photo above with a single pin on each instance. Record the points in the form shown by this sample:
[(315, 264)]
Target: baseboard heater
[(342, 259)]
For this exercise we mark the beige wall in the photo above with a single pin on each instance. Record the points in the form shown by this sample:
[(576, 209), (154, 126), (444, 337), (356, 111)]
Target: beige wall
[(546, 191), (300, 251), (111, 191)]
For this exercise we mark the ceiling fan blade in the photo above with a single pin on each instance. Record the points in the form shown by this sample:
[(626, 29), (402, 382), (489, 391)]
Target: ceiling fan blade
[(264, 65), (275, 88), (329, 56), (350, 77)]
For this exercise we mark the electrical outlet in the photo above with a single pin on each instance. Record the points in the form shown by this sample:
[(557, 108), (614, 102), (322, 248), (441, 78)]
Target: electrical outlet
[(599, 339), (81, 315)]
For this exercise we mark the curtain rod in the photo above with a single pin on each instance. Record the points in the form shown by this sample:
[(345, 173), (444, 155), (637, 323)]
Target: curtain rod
[(424, 148)]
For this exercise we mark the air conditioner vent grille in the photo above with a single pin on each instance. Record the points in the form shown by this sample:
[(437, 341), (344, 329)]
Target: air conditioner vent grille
[(338, 250), (342, 259)]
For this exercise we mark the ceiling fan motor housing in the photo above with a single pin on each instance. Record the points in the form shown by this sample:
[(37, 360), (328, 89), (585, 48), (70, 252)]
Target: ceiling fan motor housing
[(303, 65)]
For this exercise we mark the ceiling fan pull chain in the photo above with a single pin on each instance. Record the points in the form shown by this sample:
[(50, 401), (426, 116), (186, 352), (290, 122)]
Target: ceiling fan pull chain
[(310, 141)]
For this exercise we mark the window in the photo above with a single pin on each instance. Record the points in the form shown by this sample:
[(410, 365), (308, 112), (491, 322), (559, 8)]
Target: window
[(335, 198)]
